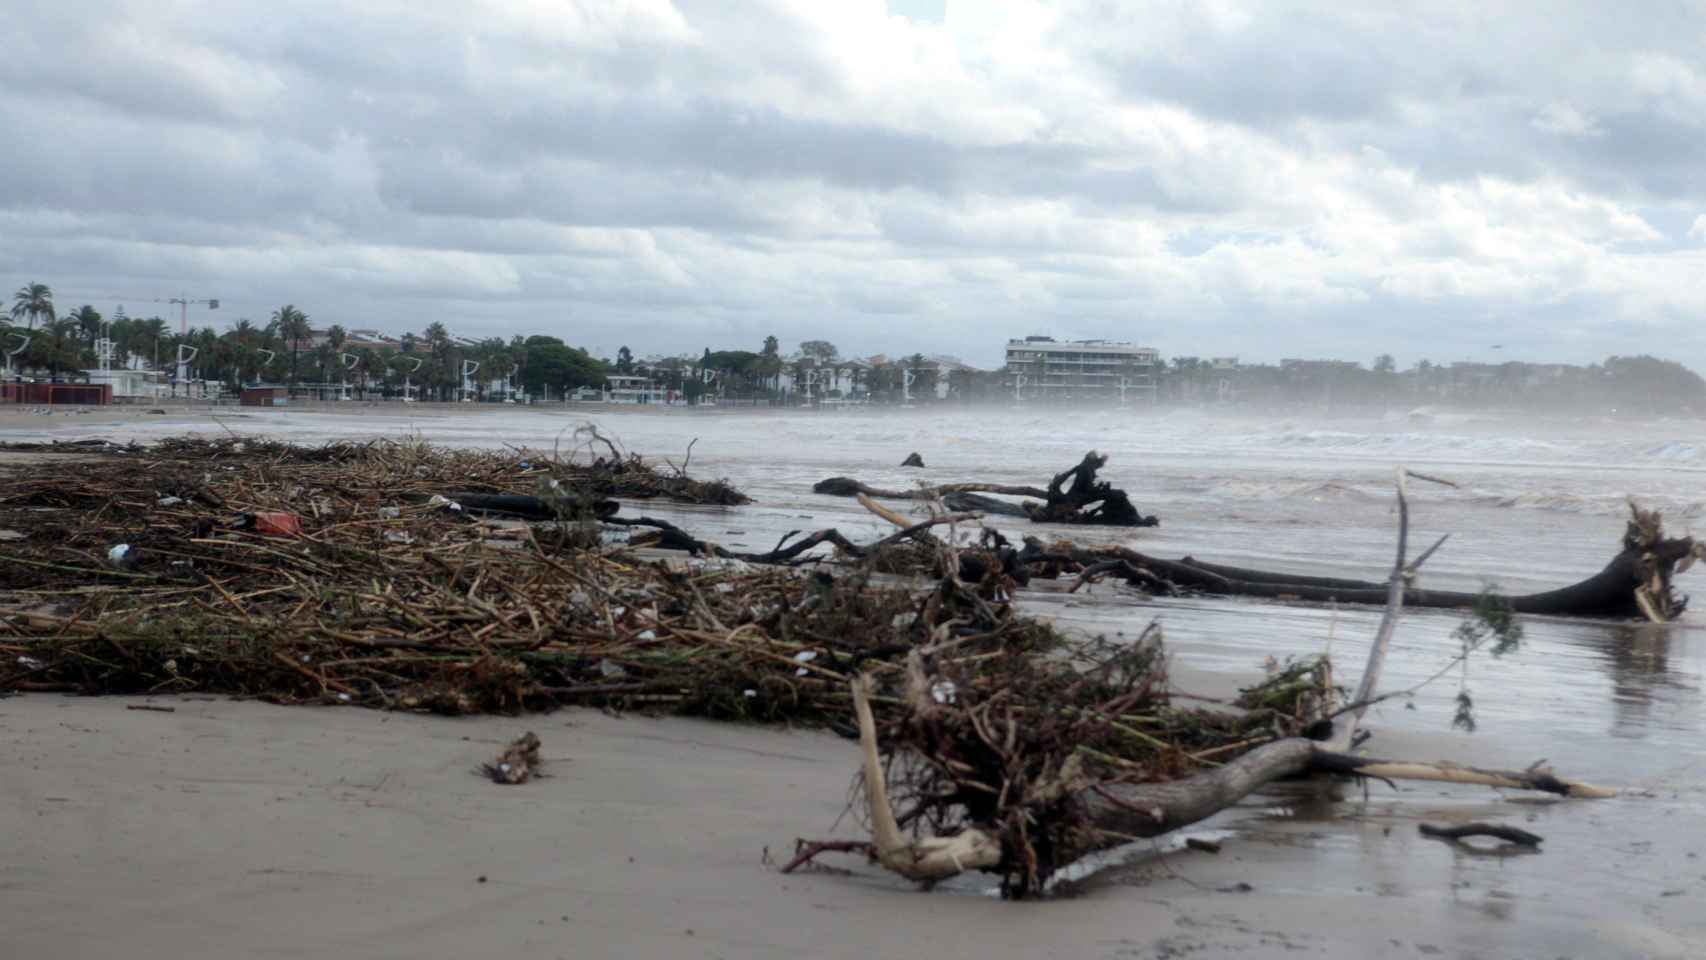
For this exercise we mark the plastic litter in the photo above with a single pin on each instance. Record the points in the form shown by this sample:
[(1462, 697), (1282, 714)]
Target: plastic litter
[(278, 524)]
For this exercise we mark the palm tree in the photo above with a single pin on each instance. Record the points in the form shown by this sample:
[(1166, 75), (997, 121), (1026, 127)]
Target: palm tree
[(439, 344), (292, 326), (33, 302), (65, 349), (153, 331), (88, 321)]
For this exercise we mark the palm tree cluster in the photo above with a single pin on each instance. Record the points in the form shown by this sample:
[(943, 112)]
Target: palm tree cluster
[(289, 350)]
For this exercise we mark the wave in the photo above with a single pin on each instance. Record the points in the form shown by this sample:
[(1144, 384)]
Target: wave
[(1421, 445), (1595, 504), (1315, 490), (1413, 443)]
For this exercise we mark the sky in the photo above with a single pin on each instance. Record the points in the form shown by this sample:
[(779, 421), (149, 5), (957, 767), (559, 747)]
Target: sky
[(1436, 181)]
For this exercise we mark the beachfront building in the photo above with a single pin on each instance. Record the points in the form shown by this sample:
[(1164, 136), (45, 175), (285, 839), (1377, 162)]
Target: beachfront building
[(622, 388), (1046, 369), (132, 385)]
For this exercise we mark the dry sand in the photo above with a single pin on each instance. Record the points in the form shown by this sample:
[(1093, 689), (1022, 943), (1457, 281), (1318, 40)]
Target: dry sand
[(230, 829)]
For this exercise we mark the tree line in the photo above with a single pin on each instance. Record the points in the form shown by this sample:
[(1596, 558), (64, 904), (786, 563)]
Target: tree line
[(287, 349)]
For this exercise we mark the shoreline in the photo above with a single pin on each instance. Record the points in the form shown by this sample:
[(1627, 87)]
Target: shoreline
[(215, 829)]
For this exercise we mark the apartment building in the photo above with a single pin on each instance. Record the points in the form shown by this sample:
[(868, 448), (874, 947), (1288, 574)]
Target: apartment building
[(1046, 369)]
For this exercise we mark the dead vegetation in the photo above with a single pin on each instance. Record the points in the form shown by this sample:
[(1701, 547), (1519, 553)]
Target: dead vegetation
[(387, 593)]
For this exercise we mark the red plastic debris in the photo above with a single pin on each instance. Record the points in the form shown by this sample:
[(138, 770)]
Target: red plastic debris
[(278, 524)]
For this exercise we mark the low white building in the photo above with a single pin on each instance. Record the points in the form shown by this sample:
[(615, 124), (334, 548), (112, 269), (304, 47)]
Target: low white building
[(623, 388), (133, 386)]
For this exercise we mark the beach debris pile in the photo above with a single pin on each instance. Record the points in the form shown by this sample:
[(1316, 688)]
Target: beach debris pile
[(1012, 747), (381, 590)]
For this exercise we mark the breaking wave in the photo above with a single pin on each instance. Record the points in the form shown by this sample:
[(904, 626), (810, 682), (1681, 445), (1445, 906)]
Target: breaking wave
[(1315, 490)]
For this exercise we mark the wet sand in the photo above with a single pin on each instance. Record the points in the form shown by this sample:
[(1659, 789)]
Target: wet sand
[(243, 829)]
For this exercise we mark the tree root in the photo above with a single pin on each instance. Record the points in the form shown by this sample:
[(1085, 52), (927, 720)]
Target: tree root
[(1085, 501)]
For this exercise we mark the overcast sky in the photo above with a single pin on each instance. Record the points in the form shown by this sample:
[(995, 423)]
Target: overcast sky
[(1263, 179)]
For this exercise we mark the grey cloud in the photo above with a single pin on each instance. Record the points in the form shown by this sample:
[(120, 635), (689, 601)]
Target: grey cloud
[(752, 172)]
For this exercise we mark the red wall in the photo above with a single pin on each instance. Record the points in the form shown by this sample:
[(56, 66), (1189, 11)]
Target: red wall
[(88, 394)]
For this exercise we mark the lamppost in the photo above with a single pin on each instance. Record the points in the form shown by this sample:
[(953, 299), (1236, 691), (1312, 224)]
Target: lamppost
[(468, 369), (23, 344), (183, 334)]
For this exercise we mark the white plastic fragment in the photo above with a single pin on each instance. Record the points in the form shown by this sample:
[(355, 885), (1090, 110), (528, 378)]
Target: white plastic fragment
[(169, 501), (750, 693), (609, 669), (943, 691), (118, 555), (806, 656)]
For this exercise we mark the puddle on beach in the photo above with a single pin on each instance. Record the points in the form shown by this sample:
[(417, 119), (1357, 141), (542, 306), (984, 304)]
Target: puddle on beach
[(1539, 505)]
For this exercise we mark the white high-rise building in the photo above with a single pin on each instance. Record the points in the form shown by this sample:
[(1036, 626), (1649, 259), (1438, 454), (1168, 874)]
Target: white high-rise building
[(1045, 369)]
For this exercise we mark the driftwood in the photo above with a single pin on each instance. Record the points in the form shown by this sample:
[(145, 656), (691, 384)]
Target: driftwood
[(1497, 830), (1073, 496), (1051, 814), (1637, 582)]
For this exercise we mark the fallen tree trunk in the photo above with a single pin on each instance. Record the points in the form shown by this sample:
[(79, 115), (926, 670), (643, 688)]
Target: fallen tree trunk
[(849, 487), (1073, 496), (1637, 582)]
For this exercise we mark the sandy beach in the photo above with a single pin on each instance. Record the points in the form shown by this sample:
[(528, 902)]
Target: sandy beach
[(242, 829), (227, 828)]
